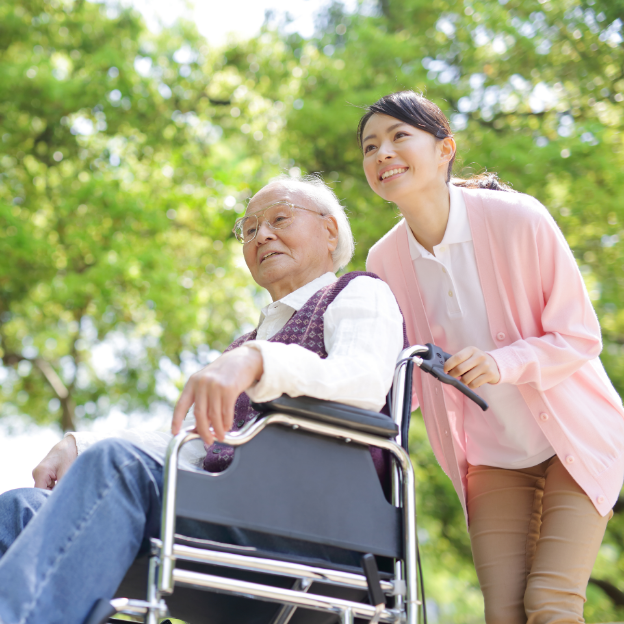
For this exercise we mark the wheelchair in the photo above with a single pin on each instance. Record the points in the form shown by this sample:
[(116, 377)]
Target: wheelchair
[(322, 540)]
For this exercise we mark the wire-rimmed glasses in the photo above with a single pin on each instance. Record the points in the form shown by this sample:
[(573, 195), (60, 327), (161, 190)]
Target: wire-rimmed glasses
[(279, 216)]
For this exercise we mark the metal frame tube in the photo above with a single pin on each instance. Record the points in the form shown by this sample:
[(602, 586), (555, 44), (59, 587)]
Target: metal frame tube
[(273, 566), (152, 591), (398, 394), (167, 531), (285, 614), (346, 617), (277, 594), (398, 398)]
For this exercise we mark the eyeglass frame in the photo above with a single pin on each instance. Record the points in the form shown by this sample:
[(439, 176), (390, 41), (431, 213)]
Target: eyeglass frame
[(255, 214)]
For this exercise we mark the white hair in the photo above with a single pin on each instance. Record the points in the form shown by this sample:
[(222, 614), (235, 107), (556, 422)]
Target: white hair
[(327, 199)]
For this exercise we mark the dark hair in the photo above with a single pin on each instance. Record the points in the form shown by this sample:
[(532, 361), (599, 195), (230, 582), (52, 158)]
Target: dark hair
[(416, 110)]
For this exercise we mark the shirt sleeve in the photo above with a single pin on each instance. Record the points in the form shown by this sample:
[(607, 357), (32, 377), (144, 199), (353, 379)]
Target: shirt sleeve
[(154, 443), (363, 338), (571, 331)]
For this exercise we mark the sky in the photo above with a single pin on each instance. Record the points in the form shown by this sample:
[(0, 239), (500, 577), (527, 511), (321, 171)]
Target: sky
[(23, 446), (216, 20)]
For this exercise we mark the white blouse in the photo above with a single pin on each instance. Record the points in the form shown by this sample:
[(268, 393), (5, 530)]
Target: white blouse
[(506, 435), (363, 332)]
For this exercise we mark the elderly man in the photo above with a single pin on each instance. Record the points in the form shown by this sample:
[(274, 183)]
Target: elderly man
[(324, 337)]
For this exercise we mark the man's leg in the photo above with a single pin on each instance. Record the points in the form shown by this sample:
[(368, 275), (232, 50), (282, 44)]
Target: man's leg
[(17, 508), (79, 545)]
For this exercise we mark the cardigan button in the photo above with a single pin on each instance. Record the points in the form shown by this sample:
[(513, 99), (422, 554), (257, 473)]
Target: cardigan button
[(543, 416), (600, 499), (500, 336), (570, 459)]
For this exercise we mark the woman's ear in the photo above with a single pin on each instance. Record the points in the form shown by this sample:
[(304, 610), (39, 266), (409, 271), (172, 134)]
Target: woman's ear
[(331, 226), (447, 149)]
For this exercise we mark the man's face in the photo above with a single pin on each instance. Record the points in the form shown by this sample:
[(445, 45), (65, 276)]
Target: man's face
[(282, 260)]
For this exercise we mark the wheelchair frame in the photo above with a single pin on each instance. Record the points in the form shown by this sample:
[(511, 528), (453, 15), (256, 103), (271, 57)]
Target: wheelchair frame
[(163, 574)]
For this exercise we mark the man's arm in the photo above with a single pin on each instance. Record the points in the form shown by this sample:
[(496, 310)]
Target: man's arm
[(363, 338)]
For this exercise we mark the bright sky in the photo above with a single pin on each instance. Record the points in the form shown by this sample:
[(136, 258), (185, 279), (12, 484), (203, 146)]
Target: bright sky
[(215, 20), (23, 446)]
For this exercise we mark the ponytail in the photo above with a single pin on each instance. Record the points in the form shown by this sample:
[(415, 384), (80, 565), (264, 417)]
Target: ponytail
[(487, 180)]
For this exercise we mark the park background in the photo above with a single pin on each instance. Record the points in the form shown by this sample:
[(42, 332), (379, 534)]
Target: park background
[(132, 135)]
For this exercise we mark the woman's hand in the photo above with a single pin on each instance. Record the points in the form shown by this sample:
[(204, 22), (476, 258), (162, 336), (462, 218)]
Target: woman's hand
[(214, 391), (55, 464), (474, 367)]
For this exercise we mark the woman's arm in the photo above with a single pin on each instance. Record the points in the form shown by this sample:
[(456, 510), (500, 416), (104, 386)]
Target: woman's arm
[(571, 332), (363, 338)]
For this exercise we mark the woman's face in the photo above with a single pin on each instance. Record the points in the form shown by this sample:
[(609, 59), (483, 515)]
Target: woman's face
[(400, 160)]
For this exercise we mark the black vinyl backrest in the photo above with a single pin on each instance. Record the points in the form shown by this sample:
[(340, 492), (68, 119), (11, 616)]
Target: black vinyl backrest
[(297, 485)]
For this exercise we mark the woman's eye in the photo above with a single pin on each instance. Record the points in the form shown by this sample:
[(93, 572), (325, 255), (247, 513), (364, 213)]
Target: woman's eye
[(400, 135), (368, 148)]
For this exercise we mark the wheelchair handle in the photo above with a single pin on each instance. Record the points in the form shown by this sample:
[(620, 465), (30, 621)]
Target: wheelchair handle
[(432, 362)]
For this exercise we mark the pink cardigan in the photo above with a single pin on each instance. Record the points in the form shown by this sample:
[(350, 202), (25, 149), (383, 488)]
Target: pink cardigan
[(548, 339)]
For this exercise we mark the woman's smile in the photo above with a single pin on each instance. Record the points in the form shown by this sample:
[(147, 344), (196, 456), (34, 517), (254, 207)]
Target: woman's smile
[(392, 174)]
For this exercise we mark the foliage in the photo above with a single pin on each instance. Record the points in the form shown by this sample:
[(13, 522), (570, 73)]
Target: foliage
[(123, 168), (125, 157)]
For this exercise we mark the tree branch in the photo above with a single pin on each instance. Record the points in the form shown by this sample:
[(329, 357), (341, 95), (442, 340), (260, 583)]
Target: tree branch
[(67, 405), (52, 378), (616, 595)]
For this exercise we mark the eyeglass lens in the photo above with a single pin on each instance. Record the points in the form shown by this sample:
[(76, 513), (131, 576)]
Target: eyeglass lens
[(279, 216)]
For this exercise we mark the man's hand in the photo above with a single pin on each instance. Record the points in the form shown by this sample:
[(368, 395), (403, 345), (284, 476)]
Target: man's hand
[(55, 464), (214, 391), (474, 367)]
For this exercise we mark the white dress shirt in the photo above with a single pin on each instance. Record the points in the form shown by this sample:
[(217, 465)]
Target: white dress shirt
[(506, 435), (363, 338)]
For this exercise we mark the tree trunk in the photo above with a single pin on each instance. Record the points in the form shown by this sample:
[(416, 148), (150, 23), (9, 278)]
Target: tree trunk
[(67, 418), (63, 394), (616, 595)]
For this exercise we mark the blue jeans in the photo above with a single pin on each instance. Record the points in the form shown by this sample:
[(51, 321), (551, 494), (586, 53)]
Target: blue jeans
[(63, 550)]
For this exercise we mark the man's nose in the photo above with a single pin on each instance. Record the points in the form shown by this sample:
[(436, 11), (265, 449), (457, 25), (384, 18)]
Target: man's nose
[(265, 233)]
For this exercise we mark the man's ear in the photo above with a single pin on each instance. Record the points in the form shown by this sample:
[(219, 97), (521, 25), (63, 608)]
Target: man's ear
[(331, 226)]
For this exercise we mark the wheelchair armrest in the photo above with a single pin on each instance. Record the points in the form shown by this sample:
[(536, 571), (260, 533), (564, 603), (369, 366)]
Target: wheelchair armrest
[(332, 413)]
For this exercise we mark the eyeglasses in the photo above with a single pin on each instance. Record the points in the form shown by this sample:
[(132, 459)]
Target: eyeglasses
[(279, 216)]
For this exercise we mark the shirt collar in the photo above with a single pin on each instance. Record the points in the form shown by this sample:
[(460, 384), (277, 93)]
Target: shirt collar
[(297, 298), (457, 228)]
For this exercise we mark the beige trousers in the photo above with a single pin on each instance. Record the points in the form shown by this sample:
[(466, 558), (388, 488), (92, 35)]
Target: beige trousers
[(535, 535)]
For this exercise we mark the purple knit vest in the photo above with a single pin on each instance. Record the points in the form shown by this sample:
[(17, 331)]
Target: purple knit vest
[(305, 328)]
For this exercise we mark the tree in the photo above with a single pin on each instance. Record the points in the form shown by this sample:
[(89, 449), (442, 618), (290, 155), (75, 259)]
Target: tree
[(124, 164)]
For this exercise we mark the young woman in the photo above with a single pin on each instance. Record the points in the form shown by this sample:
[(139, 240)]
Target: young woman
[(486, 274)]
